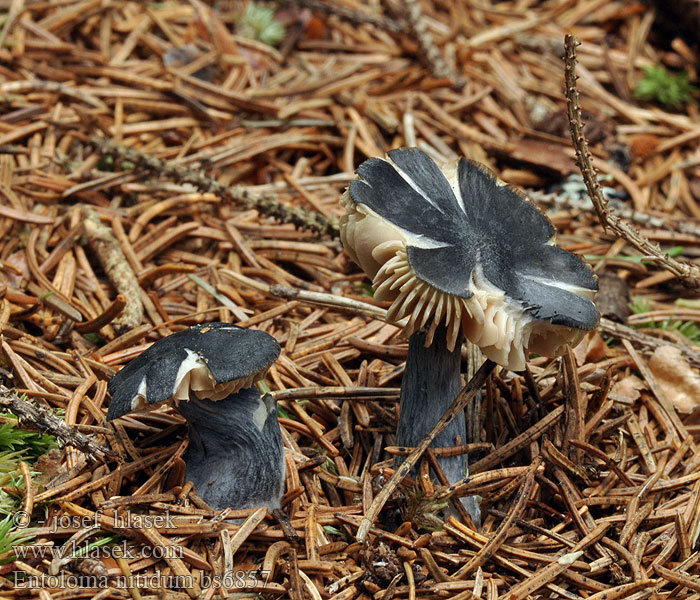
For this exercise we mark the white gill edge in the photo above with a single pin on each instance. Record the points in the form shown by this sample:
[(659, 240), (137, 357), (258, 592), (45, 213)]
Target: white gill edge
[(138, 402), (562, 285), (410, 181), (451, 172), (407, 237)]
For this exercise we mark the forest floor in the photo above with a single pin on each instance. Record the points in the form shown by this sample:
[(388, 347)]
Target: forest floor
[(163, 165)]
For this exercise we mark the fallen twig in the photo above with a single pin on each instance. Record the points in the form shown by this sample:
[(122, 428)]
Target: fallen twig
[(30, 415), (620, 331), (299, 217), (689, 274), (321, 299), (111, 257), (430, 53)]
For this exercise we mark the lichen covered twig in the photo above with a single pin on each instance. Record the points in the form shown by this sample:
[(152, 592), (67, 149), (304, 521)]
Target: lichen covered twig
[(30, 415), (116, 266), (560, 201), (430, 53), (298, 217)]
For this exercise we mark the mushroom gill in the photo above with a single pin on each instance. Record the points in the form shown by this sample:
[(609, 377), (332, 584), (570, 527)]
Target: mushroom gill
[(502, 327)]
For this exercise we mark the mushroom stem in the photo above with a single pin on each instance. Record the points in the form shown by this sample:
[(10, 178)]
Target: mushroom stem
[(431, 382), (236, 455)]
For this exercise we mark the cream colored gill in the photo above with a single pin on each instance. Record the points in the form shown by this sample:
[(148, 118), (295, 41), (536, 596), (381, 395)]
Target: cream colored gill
[(370, 240), (499, 325), (194, 375)]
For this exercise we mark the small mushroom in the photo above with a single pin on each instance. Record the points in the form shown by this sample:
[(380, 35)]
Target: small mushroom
[(235, 457), (460, 254)]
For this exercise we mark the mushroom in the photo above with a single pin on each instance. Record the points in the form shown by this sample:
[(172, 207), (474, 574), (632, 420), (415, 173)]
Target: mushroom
[(460, 254), (235, 457)]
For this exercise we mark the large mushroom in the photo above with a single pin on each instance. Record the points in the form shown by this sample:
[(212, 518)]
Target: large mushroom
[(460, 253), (235, 457)]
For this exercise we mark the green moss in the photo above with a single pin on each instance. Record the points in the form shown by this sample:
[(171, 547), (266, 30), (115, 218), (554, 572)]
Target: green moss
[(658, 85), (364, 289), (334, 531)]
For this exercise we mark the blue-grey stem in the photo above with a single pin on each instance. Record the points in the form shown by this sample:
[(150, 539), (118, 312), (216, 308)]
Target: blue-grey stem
[(236, 456), (431, 382)]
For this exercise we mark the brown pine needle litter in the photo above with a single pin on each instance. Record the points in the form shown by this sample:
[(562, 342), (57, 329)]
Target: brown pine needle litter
[(159, 169)]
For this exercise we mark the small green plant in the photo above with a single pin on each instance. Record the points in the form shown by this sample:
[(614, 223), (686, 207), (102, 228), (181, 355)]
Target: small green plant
[(12, 438), (106, 163), (90, 548), (689, 329), (330, 530), (639, 306), (285, 414), (10, 477), (17, 445), (364, 289), (11, 537), (658, 85), (673, 252), (423, 512), (330, 466), (258, 22)]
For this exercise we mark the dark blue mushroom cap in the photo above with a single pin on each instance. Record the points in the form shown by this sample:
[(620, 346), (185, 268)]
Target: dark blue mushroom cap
[(212, 360), (454, 244)]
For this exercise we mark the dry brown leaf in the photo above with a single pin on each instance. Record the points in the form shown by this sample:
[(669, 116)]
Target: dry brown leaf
[(580, 351), (545, 156), (680, 381), (596, 348), (592, 348), (627, 390)]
